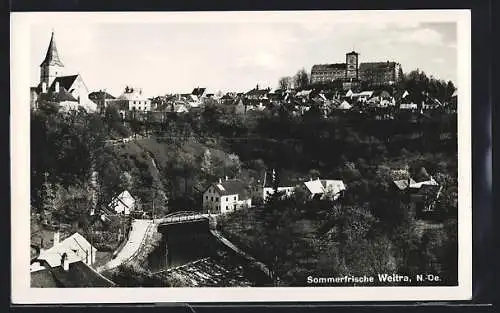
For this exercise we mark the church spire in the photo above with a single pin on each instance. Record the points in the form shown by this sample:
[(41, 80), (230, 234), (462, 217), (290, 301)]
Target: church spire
[(52, 56)]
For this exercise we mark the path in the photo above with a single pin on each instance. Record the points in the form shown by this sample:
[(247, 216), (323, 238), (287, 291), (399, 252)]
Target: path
[(131, 247)]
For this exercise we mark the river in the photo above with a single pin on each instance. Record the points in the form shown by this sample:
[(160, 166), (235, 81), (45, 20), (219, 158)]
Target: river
[(190, 250)]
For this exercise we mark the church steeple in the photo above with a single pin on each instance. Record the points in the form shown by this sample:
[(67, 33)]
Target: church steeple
[(51, 66), (52, 56)]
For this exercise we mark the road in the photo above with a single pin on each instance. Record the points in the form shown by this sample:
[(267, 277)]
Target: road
[(133, 244)]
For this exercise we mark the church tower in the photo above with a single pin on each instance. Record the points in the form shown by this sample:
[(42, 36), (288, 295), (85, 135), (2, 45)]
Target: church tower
[(51, 66), (352, 65)]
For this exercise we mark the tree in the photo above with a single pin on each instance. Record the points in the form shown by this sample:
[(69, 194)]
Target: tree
[(301, 79), (126, 180), (206, 163), (285, 83)]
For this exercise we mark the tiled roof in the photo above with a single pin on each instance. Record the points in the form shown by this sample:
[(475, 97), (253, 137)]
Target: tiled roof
[(257, 92), (61, 96), (198, 91), (64, 81), (78, 275), (133, 95), (366, 66), (52, 56), (230, 187), (327, 67)]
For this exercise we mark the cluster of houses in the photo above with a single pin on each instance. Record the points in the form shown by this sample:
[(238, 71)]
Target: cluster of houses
[(228, 195), (295, 101), (70, 92), (68, 263), (421, 189)]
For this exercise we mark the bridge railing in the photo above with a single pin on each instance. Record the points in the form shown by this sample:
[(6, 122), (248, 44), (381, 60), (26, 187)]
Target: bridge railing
[(181, 218)]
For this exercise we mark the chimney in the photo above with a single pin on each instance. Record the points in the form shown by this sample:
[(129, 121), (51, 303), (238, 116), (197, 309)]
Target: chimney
[(64, 262), (57, 86), (226, 177), (220, 181), (44, 87), (57, 236)]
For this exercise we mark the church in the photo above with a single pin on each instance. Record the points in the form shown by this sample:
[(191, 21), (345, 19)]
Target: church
[(67, 91)]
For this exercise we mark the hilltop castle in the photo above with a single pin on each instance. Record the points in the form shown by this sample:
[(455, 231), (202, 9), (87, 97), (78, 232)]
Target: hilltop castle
[(379, 73), (68, 91)]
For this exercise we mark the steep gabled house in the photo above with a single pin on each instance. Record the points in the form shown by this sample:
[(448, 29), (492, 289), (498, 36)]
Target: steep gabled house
[(270, 185), (67, 264), (225, 196), (124, 203), (320, 188), (100, 98)]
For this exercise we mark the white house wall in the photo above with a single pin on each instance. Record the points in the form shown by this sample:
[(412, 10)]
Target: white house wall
[(213, 201)]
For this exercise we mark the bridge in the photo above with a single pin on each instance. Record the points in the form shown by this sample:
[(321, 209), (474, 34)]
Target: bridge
[(183, 217)]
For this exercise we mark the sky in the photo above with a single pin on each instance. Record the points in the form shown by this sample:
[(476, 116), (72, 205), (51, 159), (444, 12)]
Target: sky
[(232, 55)]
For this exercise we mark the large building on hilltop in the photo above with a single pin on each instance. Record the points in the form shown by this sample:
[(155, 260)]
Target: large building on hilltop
[(379, 73), (68, 91)]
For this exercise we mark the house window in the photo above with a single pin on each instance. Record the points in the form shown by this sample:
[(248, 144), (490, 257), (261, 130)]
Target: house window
[(234, 197), (227, 208), (216, 199), (211, 198), (206, 197)]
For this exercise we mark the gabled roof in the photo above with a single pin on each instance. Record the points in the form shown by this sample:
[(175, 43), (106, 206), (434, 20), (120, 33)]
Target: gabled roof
[(257, 92), (62, 96), (78, 275), (124, 198), (230, 187), (198, 91), (320, 186), (402, 184), (76, 247), (421, 175), (52, 56), (344, 105), (314, 186), (64, 81), (132, 95)]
